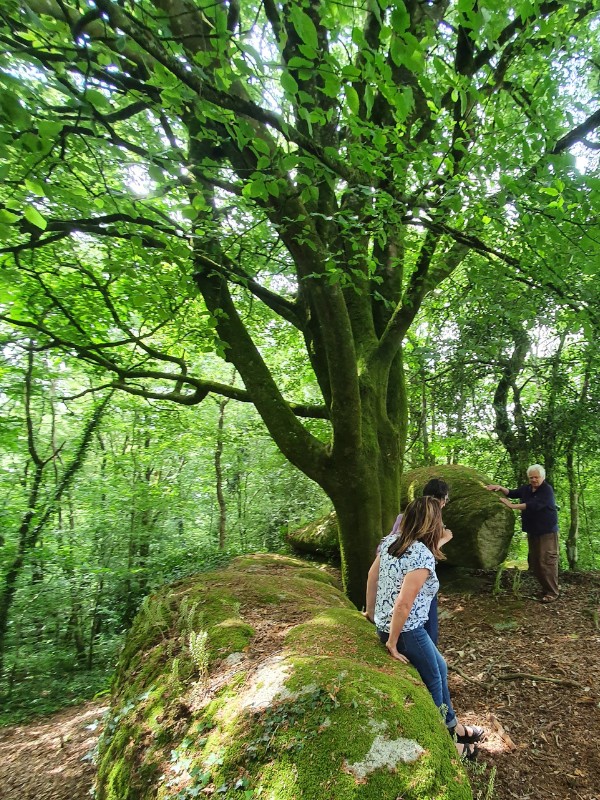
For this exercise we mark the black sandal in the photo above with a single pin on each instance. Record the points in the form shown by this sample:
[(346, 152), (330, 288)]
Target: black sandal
[(476, 734), (469, 752)]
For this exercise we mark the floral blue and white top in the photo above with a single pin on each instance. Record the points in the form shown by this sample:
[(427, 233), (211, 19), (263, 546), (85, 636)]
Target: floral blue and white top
[(392, 571)]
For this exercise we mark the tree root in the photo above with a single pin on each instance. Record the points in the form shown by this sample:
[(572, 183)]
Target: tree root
[(515, 676)]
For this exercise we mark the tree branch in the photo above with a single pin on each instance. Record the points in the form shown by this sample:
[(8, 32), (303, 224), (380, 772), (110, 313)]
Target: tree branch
[(284, 308), (196, 79)]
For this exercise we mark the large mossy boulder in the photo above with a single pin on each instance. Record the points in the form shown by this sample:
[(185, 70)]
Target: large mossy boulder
[(261, 681), (482, 526), (319, 538)]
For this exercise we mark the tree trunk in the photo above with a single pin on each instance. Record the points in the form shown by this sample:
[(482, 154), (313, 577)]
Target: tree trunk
[(219, 475), (513, 436), (366, 491), (573, 535)]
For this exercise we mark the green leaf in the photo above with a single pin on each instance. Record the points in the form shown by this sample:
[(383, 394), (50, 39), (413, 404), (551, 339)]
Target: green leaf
[(308, 52), (397, 48), (305, 27), (49, 129), (297, 62), (331, 85), (289, 83), (351, 72), (155, 172), (261, 146), (34, 187), (34, 216), (252, 52), (97, 98), (273, 188), (400, 18), (8, 217), (256, 188), (352, 99)]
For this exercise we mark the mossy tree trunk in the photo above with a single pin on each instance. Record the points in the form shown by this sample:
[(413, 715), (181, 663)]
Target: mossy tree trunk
[(362, 377), (573, 535), (219, 475)]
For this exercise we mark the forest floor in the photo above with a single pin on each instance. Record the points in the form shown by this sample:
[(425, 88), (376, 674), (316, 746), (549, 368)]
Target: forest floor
[(528, 672)]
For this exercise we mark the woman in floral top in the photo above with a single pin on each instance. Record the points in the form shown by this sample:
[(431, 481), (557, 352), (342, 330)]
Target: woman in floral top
[(406, 584)]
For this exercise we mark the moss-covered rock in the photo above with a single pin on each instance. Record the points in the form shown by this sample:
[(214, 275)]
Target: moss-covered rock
[(319, 538), (262, 681), (482, 526)]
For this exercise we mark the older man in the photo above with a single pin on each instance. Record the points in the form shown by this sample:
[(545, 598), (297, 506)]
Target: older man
[(539, 520)]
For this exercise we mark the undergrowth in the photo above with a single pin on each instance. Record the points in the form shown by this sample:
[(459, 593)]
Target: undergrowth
[(42, 691)]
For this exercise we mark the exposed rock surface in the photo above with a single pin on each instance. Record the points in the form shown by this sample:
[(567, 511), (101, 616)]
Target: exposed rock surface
[(261, 681), (482, 526)]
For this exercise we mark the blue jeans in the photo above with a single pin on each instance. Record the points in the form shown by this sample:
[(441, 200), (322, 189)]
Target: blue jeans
[(417, 646), (431, 626)]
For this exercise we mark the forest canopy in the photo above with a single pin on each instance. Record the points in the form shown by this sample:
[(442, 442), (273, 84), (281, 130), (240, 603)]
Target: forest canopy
[(375, 223)]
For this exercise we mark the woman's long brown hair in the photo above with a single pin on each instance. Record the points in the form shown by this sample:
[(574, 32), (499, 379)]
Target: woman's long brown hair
[(421, 521)]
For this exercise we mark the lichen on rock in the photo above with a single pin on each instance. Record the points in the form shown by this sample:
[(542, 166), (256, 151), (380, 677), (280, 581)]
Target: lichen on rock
[(310, 707), (386, 753)]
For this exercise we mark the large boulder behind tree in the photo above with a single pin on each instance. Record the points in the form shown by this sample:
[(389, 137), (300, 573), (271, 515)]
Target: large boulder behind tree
[(261, 681), (319, 538), (482, 526)]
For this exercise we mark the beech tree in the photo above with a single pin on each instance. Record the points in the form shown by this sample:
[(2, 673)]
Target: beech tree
[(192, 174)]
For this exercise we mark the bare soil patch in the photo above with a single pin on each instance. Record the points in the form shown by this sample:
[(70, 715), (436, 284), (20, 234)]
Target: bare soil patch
[(50, 759), (529, 672), (537, 689)]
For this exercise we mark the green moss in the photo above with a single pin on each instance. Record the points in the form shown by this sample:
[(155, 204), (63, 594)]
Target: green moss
[(291, 722), (115, 766), (319, 574), (482, 526), (258, 561), (229, 636), (320, 537), (339, 632), (305, 746)]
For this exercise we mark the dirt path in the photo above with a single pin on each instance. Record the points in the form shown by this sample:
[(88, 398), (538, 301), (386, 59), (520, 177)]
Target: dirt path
[(544, 739), (544, 736), (49, 759)]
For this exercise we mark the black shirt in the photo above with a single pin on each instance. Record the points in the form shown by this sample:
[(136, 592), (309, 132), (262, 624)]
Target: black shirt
[(540, 515)]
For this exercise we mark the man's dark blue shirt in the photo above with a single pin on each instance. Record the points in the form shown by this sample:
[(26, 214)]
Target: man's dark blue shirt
[(541, 515)]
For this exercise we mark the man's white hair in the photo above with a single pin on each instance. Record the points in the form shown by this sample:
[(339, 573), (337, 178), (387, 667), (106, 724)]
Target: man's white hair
[(536, 468)]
